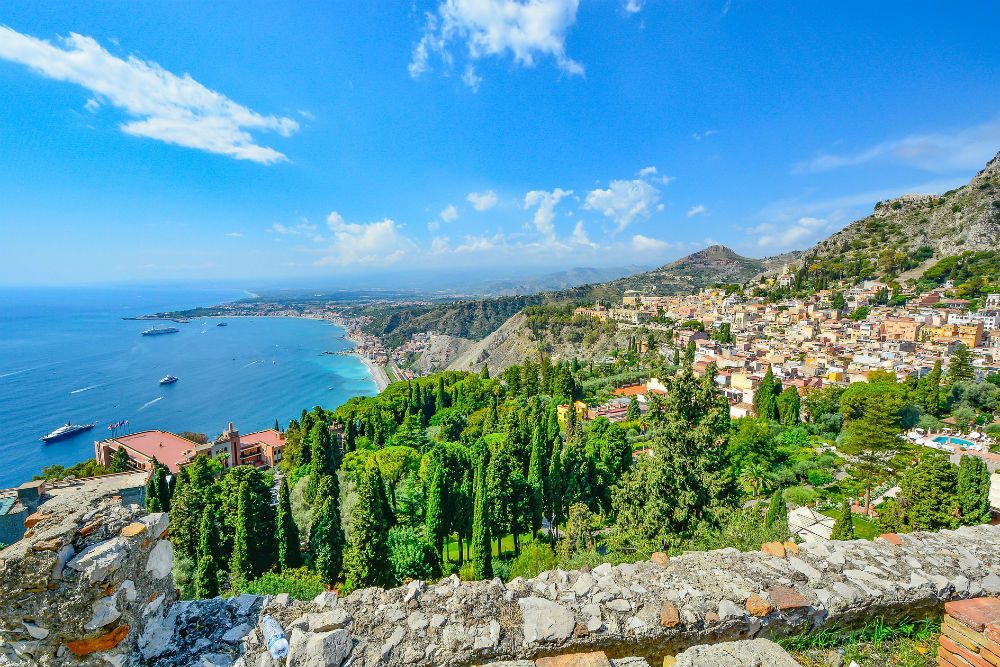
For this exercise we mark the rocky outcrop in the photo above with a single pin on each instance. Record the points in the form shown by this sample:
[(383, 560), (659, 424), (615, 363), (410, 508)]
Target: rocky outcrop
[(89, 573)]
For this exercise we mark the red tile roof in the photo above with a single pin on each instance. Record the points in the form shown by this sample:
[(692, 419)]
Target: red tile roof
[(169, 449)]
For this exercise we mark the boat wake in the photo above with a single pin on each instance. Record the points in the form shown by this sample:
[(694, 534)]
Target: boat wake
[(80, 391), (23, 370), (252, 363), (155, 400)]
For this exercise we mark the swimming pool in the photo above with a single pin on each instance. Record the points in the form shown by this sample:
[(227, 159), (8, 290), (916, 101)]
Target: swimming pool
[(950, 439)]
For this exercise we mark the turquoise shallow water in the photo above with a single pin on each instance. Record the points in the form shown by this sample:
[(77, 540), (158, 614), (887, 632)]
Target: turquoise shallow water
[(67, 354)]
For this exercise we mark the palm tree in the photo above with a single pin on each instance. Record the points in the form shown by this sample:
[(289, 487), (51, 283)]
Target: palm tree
[(754, 478)]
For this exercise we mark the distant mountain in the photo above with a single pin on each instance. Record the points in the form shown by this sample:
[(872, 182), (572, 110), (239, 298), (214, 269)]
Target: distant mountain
[(905, 236), (558, 280)]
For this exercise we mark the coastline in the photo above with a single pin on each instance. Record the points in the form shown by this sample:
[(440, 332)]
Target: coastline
[(377, 372)]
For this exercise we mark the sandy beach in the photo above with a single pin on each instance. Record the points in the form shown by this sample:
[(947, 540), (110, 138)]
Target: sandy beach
[(377, 371)]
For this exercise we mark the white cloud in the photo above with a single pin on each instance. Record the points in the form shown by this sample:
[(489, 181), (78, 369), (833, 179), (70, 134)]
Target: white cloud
[(527, 29), (450, 213), (439, 245), (633, 6), (642, 243), (647, 171), (304, 228), (470, 78), (698, 136), (373, 242), (434, 225), (696, 210), (479, 243), (234, 235), (545, 214), (966, 149), (163, 106), (802, 232), (482, 201), (623, 201)]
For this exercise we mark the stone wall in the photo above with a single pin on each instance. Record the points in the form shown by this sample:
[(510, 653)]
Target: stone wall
[(77, 589), (90, 585)]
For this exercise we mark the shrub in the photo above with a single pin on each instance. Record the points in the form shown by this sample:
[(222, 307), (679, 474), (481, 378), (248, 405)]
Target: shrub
[(300, 584), (535, 558), (819, 477), (411, 556), (800, 495)]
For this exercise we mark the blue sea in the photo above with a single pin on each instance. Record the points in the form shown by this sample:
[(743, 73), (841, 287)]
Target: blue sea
[(66, 354)]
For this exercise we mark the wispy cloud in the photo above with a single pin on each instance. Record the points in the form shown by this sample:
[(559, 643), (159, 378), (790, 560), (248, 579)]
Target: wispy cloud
[(964, 149), (235, 235), (697, 210), (633, 6), (545, 212), (450, 213), (164, 106), (526, 29), (698, 136), (482, 201)]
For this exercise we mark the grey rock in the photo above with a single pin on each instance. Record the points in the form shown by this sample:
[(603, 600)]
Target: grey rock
[(319, 649), (746, 653), (161, 559), (545, 621), (236, 633), (96, 562)]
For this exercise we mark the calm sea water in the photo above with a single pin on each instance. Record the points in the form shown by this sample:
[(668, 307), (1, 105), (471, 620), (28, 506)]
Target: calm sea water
[(67, 354)]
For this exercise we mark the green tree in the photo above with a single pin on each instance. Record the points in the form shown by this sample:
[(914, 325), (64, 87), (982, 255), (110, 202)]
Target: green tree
[(154, 502), (366, 560), (764, 401), (927, 494), (411, 556), (261, 525), (872, 423), (751, 442), (207, 580), (536, 500), (788, 406), (323, 458), (326, 538), (974, 490), (240, 565), (633, 413), (932, 389), (120, 460), (960, 365), (482, 557), (843, 526), (289, 544), (434, 523), (777, 513)]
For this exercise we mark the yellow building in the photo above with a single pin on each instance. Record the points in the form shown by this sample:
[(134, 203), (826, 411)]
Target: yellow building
[(562, 411)]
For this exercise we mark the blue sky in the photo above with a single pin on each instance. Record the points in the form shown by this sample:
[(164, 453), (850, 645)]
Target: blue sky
[(338, 141)]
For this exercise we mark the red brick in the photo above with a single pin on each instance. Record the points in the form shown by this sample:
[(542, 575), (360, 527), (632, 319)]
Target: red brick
[(975, 613), (596, 659), (963, 652), (948, 659), (785, 598), (992, 632)]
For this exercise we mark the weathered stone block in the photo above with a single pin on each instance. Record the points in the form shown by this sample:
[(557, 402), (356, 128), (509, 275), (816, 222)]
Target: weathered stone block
[(595, 659), (545, 621)]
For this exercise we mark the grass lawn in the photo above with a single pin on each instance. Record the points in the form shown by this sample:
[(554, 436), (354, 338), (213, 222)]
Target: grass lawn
[(451, 548), (863, 528)]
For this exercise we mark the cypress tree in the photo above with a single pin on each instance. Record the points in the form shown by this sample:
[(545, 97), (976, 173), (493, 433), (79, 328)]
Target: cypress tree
[(440, 398), (240, 566), (764, 400), (932, 391), (207, 579), (154, 497), (788, 406), (485, 372), (777, 512), (633, 413), (843, 527), (482, 557), (536, 488), (366, 560), (973, 490), (163, 487), (555, 486), (322, 458), (289, 549), (434, 527), (326, 539)]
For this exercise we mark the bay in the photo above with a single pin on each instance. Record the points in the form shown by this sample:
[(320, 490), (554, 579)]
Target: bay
[(66, 354)]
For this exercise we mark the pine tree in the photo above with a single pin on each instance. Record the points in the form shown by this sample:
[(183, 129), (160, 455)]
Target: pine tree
[(434, 522), (777, 512), (482, 556), (207, 578), (843, 527), (120, 460), (536, 499), (289, 546), (960, 365), (974, 490), (326, 539), (240, 567), (366, 560)]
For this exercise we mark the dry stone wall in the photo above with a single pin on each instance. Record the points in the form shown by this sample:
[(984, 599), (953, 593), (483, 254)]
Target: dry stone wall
[(78, 588), (90, 585)]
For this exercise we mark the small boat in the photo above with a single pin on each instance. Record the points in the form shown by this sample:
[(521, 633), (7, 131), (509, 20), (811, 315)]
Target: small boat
[(159, 331), (170, 379), (222, 324), (66, 430)]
